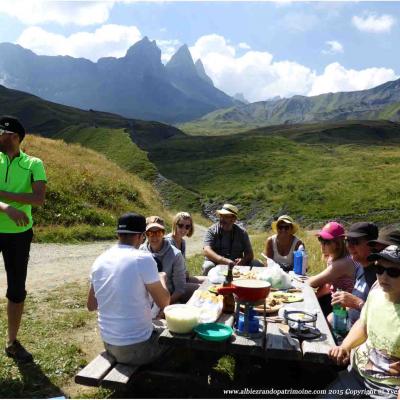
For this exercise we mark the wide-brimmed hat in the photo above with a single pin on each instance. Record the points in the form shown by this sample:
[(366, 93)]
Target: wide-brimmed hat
[(331, 231), (288, 220), (387, 236), (391, 253), (154, 222), (228, 209)]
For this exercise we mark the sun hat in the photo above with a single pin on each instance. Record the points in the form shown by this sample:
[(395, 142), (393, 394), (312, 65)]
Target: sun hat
[(363, 229), (131, 223), (228, 209), (11, 124), (288, 220), (154, 222), (391, 253), (387, 236), (331, 231)]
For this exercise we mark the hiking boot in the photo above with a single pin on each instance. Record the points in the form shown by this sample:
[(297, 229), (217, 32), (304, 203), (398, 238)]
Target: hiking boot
[(18, 352)]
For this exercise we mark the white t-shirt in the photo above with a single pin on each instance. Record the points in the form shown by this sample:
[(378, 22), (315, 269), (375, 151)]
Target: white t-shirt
[(118, 277)]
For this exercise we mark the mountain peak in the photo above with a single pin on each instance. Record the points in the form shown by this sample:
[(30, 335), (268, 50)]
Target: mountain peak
[(182, 60), (144, 47), (202, 72)]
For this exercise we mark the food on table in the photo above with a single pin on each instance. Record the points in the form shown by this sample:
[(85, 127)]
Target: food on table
[(288, 297), (181, 318)]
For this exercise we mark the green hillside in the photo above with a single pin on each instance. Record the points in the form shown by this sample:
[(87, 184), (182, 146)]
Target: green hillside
[(314, 172), (86, 193)]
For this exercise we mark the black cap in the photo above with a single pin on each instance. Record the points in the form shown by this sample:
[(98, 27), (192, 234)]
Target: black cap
[(131, 223), (387, 236), (363, 229), (391, 253), (12, 124)]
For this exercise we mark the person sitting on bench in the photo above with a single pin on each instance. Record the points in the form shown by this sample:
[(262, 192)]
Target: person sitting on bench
[(122, 280)]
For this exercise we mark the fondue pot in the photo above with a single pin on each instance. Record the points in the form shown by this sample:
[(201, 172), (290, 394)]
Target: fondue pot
[(247, 289)]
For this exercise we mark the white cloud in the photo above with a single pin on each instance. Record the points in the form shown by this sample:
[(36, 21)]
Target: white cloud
[(373, 23), (108, 40), (37, 12), (244, 46), (259, 77), (336, 78), (168, 48), (334, 47)]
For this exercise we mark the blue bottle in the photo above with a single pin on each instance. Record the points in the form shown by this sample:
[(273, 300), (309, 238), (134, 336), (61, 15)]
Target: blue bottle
[(298, 262)]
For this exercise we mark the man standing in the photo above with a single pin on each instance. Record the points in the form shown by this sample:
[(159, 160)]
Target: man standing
[(226, 242), (357, 239), (122, 280), (22, 184)]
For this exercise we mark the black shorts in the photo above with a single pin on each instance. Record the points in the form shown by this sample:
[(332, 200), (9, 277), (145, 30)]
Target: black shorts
[(15, 248)]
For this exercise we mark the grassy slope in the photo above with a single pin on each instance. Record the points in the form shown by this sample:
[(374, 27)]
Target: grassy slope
[(304, 171), (86, 192)]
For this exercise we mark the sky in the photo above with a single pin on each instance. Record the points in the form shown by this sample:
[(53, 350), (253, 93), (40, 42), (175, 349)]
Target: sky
[(261, 49)]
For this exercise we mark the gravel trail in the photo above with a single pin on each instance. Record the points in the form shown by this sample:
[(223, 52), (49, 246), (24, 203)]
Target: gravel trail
[(52, 265)]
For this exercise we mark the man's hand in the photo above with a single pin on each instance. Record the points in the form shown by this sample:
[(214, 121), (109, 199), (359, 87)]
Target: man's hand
[(346, 299), (19, 217), (340, 355)]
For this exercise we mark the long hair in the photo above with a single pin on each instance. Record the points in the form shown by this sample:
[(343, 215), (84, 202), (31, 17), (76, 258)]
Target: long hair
[(340, 250), (183, 215)]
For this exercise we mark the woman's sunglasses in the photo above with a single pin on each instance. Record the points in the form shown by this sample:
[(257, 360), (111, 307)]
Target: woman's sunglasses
[(155, 233), (284, 227), (392, 272), (324, 241), (181, 226)]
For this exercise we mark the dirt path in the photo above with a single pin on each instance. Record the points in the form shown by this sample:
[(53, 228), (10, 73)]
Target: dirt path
[(52, 265)]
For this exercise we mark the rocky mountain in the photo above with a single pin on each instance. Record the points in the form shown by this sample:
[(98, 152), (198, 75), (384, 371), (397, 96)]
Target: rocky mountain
[(381, 102), (137, 85)]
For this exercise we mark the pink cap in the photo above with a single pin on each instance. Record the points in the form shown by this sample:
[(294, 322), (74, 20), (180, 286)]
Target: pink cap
[(331, 230)]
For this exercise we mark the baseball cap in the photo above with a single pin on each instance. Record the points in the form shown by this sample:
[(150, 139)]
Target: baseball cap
[(331, 230), (12, 124), (363, 229), (154, 222), (387, 236), (131, 223), (391, 253)]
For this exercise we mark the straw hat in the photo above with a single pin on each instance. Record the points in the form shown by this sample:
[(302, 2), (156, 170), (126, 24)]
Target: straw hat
[(288, 220), (228, 209)]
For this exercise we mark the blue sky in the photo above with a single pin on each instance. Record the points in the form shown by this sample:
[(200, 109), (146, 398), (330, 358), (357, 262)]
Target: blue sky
[(261, 49)]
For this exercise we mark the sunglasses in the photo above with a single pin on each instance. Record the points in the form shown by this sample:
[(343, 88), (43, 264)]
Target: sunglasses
[(324, 241), (155, 233), (284, 227), (181, 226), (392, 272), (3, 132)]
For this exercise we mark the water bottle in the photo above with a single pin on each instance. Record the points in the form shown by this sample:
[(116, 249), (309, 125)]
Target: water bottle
[(340, 317), (305, 261), (298, 261)]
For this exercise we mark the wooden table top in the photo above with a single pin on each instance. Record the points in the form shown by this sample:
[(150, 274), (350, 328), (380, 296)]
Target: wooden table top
[(274, 344)]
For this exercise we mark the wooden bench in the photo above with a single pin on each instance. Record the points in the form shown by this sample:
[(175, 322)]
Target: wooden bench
[(105, 372)]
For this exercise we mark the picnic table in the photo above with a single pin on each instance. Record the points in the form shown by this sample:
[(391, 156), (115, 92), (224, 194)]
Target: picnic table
[(274, 344)]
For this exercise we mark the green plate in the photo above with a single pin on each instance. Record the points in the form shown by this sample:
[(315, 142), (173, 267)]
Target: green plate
[(214, 331)]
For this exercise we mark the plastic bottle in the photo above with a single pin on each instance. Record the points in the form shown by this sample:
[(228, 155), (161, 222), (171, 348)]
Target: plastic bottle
[(340, 317), (305, 261), (298, 261)]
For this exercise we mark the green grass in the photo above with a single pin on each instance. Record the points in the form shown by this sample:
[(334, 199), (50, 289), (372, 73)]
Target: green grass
[(304, 172), (86, 193)]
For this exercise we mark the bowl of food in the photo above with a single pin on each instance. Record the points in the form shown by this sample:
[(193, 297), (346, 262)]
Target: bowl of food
[(181, 318)]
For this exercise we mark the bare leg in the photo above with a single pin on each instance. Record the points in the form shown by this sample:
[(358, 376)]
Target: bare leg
[(14, 314)]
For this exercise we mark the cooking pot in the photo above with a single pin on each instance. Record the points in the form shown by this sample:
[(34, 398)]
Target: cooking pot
[(247, 289)]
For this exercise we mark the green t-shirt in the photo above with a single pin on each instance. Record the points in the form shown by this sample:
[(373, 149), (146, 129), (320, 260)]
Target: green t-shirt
[(382, 348), (17, 176)]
